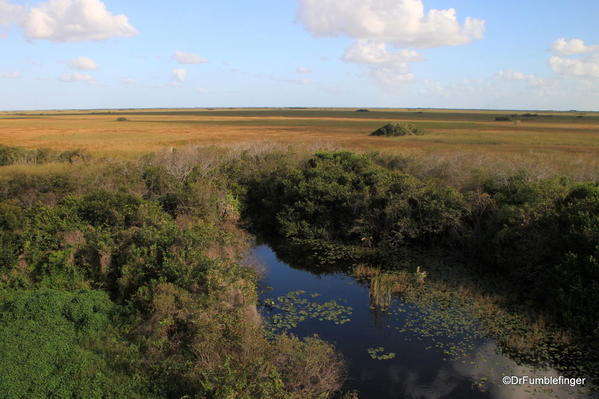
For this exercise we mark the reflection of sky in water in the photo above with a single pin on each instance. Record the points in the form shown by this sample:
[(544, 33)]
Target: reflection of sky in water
[(420, 370), (488, 363)]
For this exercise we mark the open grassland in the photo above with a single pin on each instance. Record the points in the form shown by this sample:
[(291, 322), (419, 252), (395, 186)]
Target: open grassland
[(446, 130), (549, 143)]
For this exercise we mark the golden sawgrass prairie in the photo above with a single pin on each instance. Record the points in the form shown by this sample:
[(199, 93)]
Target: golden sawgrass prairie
[(447, 131)]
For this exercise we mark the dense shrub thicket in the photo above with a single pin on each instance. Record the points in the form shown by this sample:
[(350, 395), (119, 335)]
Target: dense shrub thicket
[(540, 235), (125, 276), (110, 293)]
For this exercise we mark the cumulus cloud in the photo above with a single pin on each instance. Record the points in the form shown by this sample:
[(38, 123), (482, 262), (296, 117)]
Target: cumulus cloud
[(377, 25), (303, 70), (11, 14), (386, 66), (179, 75), (575, 67), (530, 79), (377, 53), (77, 77), (573, 46), (83, 64), (189, 58), (67, 20), (403, 23), (392, 76), (10, 75)]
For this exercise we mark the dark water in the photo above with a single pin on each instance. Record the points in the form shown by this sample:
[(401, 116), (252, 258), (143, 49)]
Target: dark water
[(421, 367)]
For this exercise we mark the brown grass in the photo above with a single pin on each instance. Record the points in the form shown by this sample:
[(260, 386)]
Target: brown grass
[(150, 132)]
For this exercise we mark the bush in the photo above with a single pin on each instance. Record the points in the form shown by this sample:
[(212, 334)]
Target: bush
[(575, 277), (398, 129), (11, 224), (43, 338), (74, 156), (503, 119), (346, 198), (9, 155), (106, 209)]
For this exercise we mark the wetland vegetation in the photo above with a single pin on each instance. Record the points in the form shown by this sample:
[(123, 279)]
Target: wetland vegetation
[(130, 272)]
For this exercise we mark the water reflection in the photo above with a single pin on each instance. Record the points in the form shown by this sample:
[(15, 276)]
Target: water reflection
[(487, 362), (422, 368)]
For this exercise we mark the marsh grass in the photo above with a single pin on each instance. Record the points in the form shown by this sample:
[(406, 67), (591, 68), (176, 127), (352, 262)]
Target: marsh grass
[(383, 285), (561, 136), (452, 303)]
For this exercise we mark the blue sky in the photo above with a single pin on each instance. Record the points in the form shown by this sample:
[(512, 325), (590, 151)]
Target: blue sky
[(335, 53)]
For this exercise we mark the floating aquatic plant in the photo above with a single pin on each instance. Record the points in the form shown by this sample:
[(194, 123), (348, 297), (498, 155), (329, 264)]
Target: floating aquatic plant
[(379, 354), (293, 308)]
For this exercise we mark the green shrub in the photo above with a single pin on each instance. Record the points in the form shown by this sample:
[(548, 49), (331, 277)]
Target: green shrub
[(398, 129), (9, 155), (575, 277), (43, 338), (74, 156), (30, 189), (106, 209), (345, 197)]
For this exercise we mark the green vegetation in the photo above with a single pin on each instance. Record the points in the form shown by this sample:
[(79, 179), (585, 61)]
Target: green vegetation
[(15, 155), (44, 342), (379, 354), (127, 274), (124, 280), (398, 129), (295, 307), (539, 236)]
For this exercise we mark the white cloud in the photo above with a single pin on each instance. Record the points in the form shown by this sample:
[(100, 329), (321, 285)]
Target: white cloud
[(373, 52), (377, 24), (189, 58), (575, 67), (83, 64), (387, 67), (179, 75), (530, 79), (403, 23), (75, 21), (77, 77), (392, 76), (303, 70), (570, 47), (10, 75), (11, 14)]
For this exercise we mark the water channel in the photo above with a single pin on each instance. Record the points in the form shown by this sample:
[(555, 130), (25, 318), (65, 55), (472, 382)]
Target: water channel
[(402, 352)]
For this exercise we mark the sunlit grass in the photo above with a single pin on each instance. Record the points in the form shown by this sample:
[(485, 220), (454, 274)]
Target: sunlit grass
[(560, 141)]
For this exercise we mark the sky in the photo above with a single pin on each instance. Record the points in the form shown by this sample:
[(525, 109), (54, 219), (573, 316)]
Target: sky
[(84, 54)]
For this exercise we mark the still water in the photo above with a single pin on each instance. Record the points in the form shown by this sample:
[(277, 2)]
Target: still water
[(420, 359)]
